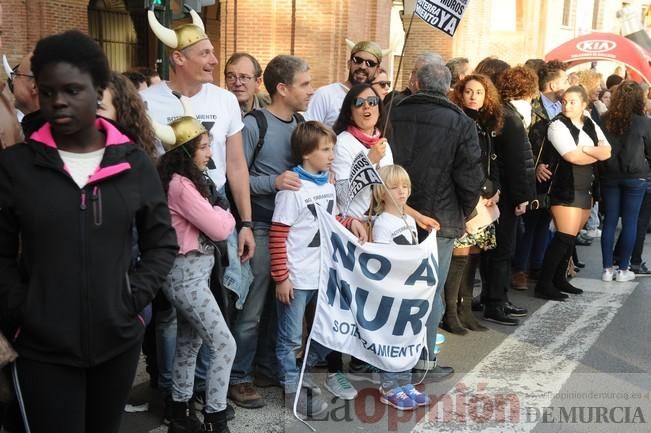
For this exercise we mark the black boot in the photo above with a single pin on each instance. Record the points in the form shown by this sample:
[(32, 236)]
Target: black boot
[(554, 255), (181, 418), (215, 422), (464, 307), (451, 292), (560, 276)]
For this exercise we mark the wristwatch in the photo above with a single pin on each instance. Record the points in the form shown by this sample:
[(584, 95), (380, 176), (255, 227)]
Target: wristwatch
[(246, 224)]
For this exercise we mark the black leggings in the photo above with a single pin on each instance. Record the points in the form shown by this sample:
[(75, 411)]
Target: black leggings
[(63, 399)]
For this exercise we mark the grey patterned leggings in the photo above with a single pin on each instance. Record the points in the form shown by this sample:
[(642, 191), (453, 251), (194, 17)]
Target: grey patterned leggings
[(198, 320)]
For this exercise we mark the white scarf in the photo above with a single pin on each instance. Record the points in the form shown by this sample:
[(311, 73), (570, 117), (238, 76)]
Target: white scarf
[(524, 108)]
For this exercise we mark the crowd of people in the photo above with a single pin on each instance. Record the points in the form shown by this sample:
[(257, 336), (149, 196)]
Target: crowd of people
[(177, 217)]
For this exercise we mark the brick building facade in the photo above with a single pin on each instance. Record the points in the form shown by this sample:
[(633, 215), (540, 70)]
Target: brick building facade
[(313, 29)]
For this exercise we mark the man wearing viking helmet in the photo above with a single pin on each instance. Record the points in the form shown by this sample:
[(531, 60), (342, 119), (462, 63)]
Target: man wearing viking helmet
[(193, 61), (364, 62), (192, 58)]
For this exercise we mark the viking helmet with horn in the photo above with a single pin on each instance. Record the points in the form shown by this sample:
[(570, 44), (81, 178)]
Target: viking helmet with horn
[(182, 36), (368, 46), (181, 130)]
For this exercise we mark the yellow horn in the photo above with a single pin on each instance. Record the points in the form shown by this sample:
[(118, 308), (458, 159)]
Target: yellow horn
[(165, 35), (187, 109), (196, 20), (350, 44), (165, 133)]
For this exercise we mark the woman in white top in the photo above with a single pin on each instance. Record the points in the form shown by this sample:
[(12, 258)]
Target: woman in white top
[(578, 143), (357, 130)]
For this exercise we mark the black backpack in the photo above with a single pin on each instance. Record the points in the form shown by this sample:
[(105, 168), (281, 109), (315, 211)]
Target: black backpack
[(261, 121)]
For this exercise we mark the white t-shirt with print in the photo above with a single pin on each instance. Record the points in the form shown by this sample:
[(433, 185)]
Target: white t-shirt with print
[(217, 109), (346, 150), (296, 209), (326, 103), (391, 229)]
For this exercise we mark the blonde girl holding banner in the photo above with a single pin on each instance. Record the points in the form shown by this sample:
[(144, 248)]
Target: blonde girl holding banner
[(393, 226)]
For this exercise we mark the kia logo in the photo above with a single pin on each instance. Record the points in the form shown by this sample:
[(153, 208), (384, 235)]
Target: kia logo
[(595, 46)]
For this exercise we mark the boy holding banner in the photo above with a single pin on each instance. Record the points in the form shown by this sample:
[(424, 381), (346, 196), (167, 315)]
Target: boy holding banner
[(294, 246)]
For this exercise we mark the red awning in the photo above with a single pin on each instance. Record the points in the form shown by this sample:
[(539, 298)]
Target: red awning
[(604, 47)]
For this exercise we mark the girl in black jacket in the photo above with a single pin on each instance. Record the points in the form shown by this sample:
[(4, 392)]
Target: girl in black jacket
[(479, 99), (71, 194), (623, 177), (517, 86)]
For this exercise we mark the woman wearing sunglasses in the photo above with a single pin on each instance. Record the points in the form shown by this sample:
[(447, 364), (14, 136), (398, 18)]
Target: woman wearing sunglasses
[(381, 83), (357, 131)]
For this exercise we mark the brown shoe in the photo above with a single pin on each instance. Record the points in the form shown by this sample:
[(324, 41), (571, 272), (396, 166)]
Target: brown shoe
[(245, 395), (519, 281)]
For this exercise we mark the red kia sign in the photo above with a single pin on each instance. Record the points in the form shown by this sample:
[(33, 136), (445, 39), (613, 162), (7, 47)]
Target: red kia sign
[(596, 46)]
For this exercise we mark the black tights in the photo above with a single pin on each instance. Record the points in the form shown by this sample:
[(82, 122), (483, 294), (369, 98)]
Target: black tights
[(64, 399)]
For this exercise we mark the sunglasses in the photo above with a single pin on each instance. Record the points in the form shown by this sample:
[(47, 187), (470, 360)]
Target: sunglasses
[(369, 63), (385, 84), (372, 101)]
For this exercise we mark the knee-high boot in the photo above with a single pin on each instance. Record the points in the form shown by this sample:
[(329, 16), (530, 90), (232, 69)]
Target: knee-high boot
[(560, 276), (464, 307), (451, 292), (555, 254)]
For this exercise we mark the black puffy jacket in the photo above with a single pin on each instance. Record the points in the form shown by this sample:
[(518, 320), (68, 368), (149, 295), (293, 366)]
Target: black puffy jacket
[(631, 152), (73, 294), (437, 144), (515, 159)]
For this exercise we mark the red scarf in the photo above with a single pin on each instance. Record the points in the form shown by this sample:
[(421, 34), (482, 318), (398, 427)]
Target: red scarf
[(367, 140)]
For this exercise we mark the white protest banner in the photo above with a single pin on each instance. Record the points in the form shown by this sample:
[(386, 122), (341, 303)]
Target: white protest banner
[(362, 174), (444, 15), (374, 299)]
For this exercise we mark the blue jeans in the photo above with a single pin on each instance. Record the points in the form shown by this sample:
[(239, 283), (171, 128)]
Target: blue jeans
[(531, 245), (290, 336), (246, 322), (445, 247), (620, 198), (391, 380), (165, 348)]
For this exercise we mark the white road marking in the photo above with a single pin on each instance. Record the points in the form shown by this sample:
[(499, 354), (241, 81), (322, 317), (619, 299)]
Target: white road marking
[(530, 366)]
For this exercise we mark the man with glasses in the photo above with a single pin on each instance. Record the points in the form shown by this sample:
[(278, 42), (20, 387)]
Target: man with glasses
[(10, 132), (325, 105), (25, 90), (243, 78)]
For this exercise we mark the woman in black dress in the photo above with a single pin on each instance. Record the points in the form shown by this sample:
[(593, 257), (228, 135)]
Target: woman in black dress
[(578, 143)]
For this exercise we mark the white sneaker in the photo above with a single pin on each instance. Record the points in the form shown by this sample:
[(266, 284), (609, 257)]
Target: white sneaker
[(624, 275), (340, 386), (595, 233), (607, 275)]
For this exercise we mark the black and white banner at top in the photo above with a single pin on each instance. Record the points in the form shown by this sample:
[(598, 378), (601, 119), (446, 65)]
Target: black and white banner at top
[(362, 175), (444, 15)]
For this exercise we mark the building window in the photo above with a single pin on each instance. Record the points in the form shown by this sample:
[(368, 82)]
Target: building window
[(595, 14), (567, 7)]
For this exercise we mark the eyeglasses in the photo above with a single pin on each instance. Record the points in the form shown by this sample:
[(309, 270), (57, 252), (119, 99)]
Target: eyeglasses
[(18, 74), (385, 84), (372, 101), (358, 61), (244, 79)]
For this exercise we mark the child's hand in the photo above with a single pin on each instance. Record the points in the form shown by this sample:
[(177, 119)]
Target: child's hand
[(358, 229), (285, 292)]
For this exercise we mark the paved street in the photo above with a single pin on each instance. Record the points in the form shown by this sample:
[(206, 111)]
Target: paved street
[(577, 366)]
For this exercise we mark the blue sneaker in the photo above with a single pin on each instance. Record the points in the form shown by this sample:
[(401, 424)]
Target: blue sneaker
[(397, 398), (418, 397), (440, 338)]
